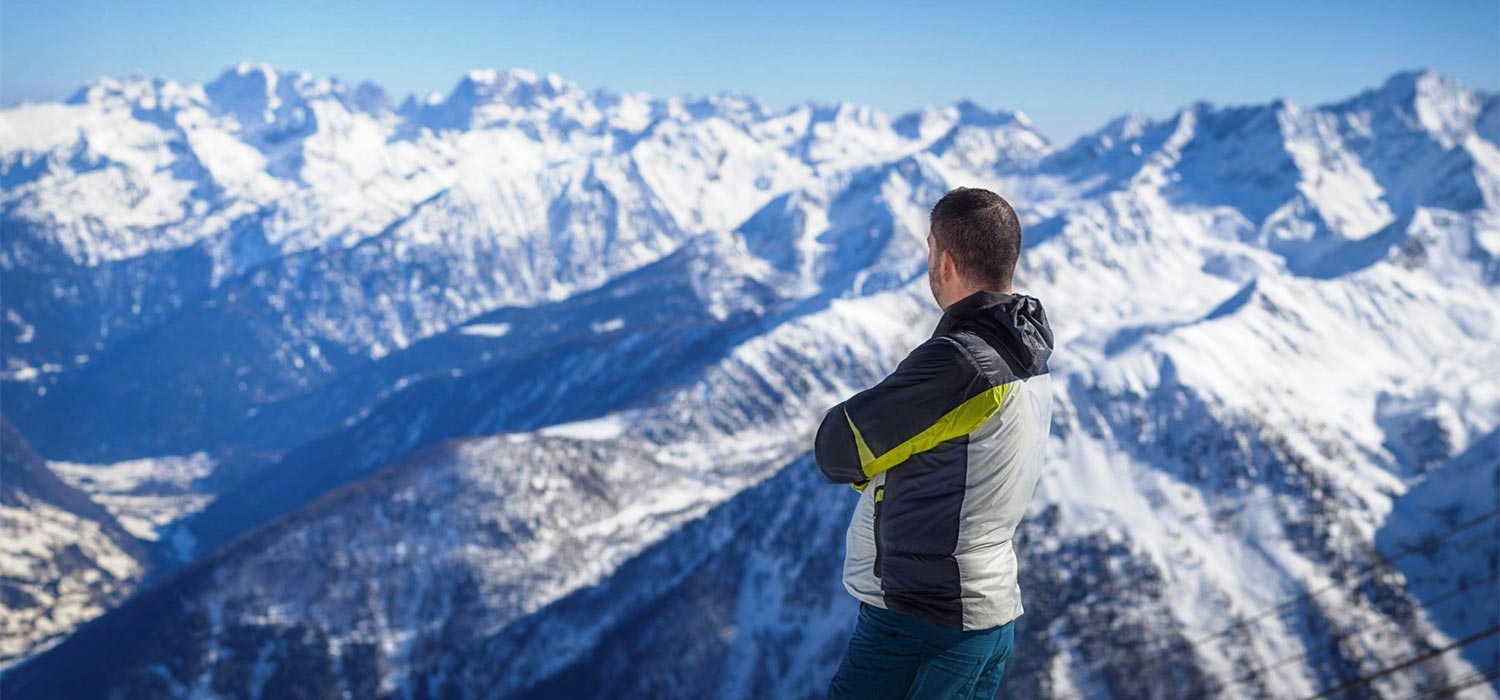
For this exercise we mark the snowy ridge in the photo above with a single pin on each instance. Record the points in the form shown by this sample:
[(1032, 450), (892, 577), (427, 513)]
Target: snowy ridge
[(524, 372)]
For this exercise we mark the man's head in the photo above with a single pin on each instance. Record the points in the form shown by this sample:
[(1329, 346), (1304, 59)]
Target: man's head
[(973, 243)]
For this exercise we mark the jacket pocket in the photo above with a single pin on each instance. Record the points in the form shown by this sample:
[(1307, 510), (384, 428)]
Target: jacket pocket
[(879, 499)]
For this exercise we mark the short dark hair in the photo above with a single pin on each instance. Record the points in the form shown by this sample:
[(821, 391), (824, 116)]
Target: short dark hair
[(980, 230)]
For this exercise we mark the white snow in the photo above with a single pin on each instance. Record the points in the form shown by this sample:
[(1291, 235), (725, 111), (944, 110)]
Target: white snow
[(145, 495), (608, 326), (54, 593), (487, 330), (597, 429)]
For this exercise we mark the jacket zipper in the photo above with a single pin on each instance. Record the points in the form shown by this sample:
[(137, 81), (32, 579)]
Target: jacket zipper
[(879, 499)]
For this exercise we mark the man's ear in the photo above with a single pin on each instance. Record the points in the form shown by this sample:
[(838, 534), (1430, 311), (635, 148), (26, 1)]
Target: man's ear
[(949, 267)]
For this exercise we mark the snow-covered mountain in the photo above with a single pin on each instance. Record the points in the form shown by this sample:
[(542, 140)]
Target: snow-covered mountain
[(508, 392)]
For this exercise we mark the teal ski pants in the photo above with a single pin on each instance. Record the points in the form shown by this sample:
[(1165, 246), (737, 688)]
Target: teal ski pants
[(897, 656)]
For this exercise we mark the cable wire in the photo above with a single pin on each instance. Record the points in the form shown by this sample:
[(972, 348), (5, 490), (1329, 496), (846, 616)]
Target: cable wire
[(1469, 681), (1381, 561), (1456, 593), (1388, 670)]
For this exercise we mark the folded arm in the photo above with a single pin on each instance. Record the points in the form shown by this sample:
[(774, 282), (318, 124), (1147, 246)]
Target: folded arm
[(936, 394)]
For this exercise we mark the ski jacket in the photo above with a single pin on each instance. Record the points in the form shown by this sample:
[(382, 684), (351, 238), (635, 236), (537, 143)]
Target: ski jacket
[(945, 453)]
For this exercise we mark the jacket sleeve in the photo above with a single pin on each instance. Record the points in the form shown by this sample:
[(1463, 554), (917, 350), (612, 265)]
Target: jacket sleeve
[(936, 394)]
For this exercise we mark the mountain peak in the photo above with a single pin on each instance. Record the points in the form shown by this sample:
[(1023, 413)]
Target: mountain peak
[(246, 91), (493, 75), (486, 95), (248, 69), (256, 82), (1127, 126), (513, 85), (1436, 103), (1408, 81), (1406, 88), (845, 112), (737, 107), (135, 89), (971, 113)]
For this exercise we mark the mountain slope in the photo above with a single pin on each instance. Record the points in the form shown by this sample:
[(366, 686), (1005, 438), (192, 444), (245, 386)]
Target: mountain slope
[(65, 558)]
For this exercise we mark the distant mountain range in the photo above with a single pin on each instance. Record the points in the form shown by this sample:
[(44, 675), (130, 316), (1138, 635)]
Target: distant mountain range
[(509, 393)]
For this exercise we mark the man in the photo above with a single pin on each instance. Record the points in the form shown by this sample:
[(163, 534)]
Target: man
[(945, 453)]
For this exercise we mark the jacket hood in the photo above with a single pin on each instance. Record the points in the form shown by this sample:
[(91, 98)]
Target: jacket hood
[(1017, 319)]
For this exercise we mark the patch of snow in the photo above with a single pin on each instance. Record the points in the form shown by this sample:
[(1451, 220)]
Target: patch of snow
[(611, 325), (605, 428), (144, 495), (487, 330)]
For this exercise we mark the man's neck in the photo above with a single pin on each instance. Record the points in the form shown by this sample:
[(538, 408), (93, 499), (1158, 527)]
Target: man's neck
[(965, 294)]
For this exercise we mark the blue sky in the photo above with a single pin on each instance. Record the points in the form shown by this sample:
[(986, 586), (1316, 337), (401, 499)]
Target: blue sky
[(1070, 66)]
